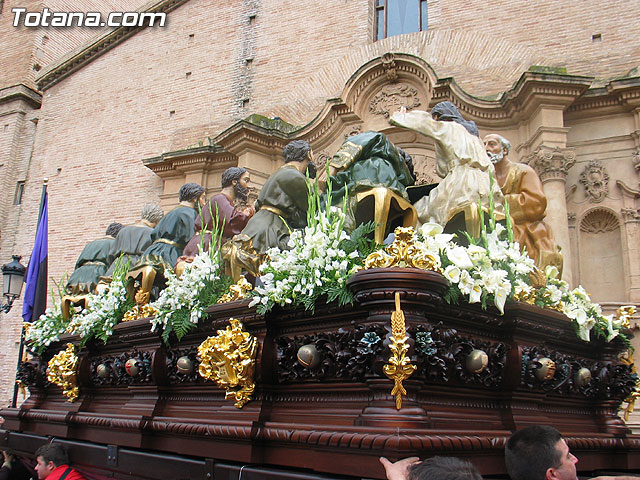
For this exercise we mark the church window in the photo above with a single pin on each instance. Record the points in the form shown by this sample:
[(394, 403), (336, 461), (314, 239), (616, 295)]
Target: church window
[(395, 17)]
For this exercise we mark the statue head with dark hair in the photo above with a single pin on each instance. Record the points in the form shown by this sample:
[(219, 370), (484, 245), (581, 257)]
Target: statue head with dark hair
[(539, 453), (408, 160), (113, 229), (49, 457), (231, 174), (190, 192), (444, 468), (448, 112), (296, 151)]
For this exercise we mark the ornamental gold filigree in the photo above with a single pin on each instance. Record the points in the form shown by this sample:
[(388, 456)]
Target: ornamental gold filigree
[(62, 371), (624, 314), (139, 311), (627, 359), (403, 252), (237, 291), (229, 359), (399, 367)]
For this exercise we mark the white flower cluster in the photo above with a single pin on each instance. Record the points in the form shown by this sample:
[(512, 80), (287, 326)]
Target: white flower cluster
[(496, 270), (48, 328), (102, 313), (577, 305), (183, 293), (315, 262)]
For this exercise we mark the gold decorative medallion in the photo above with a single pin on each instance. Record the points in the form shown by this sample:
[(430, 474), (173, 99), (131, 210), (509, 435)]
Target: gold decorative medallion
[(399, 367), (237, 291), (403, 252), (624, 313), (139, 311), (229, 359), (62, 371)]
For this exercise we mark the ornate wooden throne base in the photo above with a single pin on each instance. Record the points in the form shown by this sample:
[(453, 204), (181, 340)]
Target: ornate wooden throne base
[(143, 411)]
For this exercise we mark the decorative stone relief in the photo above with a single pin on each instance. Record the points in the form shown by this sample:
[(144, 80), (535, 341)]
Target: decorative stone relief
[(424, 169), (596, 181), (636, 160), (391, 97), (599, 221), (354, 130), (552, 163), (389, 65), (630, 214), (321, 159), (571, 219)]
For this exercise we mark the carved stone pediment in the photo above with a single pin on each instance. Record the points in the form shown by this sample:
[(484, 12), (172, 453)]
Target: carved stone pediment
[(596, 181), (391, 97)]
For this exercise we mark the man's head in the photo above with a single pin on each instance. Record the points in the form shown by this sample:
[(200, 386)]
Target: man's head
[(497, 147), (49, 457), (297, 151), (444, 468), (191, 192), (239, 179), (539, 453), (448, 112), (113, 229), (151, 213)]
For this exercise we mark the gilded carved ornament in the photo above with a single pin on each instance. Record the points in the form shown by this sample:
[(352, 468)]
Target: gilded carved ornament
[(403, 252), (238, 291), (596, 181), (62, 370), (229, 359), (399, 367)]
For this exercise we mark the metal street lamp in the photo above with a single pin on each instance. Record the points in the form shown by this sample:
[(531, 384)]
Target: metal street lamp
[(13, 277)]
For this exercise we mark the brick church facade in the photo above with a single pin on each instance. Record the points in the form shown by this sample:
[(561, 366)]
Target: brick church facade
[(116, 118)]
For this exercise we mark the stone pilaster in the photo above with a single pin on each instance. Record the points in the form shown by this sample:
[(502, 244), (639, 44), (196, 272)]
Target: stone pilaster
[(552, 165), (631, 219)]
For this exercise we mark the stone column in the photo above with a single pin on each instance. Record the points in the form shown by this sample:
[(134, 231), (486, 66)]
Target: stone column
[(552, 165), (631, 218)]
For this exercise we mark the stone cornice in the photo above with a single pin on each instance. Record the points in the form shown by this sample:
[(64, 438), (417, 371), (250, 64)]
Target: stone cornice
[(199, 158), (245, 135), (85, 54), (617, 95), (529, 92), (20, 92)]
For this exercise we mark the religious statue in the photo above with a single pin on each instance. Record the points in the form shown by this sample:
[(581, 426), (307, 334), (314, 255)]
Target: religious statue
[(92, 263), (461, 161), (280, 208), (132, 240), (168, 239), (523, 192), (369, 167), (221, 211)]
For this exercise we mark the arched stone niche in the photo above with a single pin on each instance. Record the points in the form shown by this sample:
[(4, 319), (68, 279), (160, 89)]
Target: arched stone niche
[(600, 255)]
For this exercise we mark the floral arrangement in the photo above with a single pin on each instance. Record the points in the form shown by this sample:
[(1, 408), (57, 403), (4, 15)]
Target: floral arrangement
[(182, 303), (104, 311), (494, 269), (319, 262), (48, 328)]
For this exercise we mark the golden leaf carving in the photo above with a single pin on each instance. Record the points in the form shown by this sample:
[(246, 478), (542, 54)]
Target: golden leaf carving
[(229, 359), (237, 291), (403, 252), (399, 367), (62, 370)]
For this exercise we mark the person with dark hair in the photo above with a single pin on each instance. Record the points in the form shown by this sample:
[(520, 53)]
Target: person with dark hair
[(53, 464), (221, 211), (15, 468), (461, 161), (132, 240), (281, 207), (539, 452), (168, 239), (434, 468), (92, 263)]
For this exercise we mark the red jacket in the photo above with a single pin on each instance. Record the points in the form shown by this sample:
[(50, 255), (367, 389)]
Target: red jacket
[(59, 471)]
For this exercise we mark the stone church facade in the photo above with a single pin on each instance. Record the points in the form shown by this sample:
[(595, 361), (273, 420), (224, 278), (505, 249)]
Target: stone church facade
[(119, 118)]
